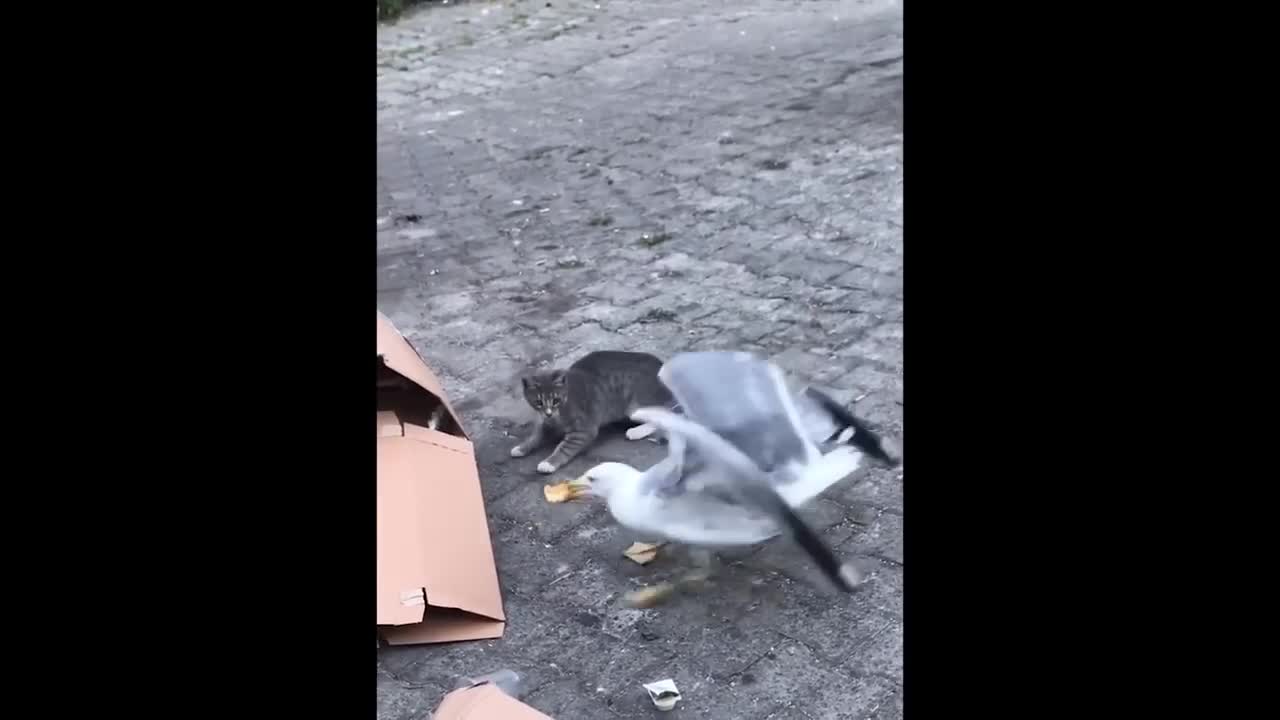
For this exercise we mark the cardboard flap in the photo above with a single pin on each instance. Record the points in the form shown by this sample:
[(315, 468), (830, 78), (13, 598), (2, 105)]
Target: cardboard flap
[(399, 355), (389, 425), (484, 702), (432, 531), (444, 625)]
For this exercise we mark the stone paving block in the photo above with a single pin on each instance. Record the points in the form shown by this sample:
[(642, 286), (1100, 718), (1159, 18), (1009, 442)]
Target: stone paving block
[(856, 698), (871, 488), (708, 625), (877, 350), (882, 590), (397, 700), (526, 562), (881, 538), (880, 656), (498, 476), (437, 670), (809, 365), (830, 623), (791, 675)]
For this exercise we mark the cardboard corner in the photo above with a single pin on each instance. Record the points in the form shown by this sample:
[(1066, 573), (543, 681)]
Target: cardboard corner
[(397, 354), (484, 702)]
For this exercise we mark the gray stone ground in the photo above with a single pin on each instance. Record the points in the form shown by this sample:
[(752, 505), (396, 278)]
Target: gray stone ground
[(655, 175)]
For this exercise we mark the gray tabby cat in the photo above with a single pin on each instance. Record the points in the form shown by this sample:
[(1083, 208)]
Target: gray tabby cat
[(601, 388)]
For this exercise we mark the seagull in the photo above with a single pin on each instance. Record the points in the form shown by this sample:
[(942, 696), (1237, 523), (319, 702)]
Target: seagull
[(743, 456)]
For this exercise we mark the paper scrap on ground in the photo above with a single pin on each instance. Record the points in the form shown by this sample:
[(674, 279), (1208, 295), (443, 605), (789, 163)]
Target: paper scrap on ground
[(642, 553), (663, 693)]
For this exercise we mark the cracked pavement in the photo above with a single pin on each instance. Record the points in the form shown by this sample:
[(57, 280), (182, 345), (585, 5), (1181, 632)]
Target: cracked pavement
[(558, 177)]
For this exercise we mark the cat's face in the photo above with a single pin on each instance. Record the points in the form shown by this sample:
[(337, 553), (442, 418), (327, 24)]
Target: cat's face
[(545, 392)]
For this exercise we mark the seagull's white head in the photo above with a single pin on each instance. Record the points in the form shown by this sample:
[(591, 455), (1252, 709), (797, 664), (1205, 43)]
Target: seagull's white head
[(603, 479)]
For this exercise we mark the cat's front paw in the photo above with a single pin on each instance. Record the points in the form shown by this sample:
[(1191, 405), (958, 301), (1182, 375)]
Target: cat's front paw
[(640, 432), (519, 451), (546, 468)]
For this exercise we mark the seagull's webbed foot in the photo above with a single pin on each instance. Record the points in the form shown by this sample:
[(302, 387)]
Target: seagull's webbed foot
[(649, 596), (703, 563), (693, 578)]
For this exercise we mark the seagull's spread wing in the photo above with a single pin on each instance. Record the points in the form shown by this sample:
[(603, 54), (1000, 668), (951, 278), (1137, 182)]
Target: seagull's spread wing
[(746, 450), (731, 471), (746, 401)]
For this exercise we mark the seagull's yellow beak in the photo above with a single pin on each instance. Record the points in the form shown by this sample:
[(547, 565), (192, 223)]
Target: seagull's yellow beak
[(578, 487), (565, 491)]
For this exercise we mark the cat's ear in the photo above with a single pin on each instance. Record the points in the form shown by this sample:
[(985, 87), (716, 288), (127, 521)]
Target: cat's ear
[(557, 378)]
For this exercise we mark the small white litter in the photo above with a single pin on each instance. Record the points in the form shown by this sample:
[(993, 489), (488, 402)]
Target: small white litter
[(664, 694)]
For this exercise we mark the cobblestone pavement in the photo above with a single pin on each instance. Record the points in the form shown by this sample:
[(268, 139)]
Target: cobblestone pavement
[(557, 177)]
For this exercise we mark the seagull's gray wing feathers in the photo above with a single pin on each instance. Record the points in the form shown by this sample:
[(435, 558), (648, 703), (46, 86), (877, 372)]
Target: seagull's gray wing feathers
[(666, 477), (733, 469), (744, 400), (819, 425), (822, 414)]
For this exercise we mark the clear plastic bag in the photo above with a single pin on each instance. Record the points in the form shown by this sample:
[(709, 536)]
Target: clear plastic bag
[(508, 681)]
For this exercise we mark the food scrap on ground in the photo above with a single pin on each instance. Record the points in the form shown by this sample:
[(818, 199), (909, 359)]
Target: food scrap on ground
[(642, 553)]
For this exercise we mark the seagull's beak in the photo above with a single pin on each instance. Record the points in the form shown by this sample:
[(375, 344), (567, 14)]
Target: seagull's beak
[(568, 490), (578, 487)]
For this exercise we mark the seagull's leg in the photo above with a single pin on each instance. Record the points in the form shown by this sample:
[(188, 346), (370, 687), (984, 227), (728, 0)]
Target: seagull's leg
[(703, 563), (649, 596), (660, 591)]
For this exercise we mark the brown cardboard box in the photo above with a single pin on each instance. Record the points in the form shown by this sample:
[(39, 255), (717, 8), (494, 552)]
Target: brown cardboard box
[(484, 702), (436, 577)]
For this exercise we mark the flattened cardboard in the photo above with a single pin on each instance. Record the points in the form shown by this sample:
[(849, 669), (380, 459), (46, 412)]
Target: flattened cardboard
[(484, 702), (436, 576)]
